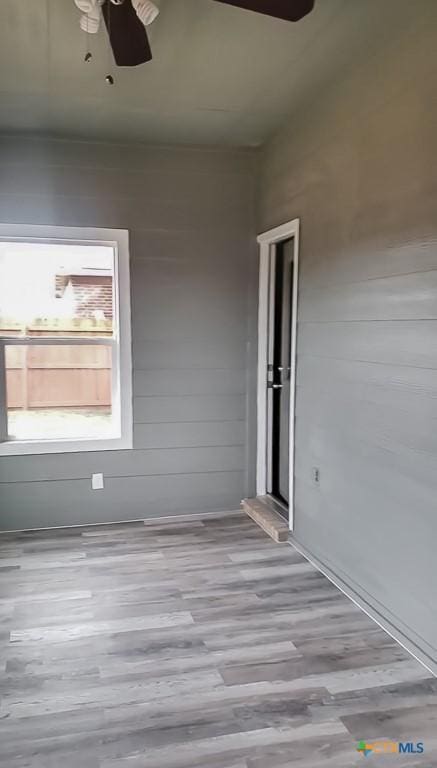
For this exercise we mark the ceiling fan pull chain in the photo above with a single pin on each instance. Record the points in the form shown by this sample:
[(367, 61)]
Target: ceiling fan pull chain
[(110, 77), (88, 55)]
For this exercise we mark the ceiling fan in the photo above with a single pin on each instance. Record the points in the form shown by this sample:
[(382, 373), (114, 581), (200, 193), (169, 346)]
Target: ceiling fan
[(290, 10), (126, 22)]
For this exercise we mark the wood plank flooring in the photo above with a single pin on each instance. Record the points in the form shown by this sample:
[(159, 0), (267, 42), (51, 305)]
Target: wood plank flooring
[(185, 644)]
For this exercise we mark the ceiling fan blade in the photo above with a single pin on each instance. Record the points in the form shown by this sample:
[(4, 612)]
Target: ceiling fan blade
[(290, 10), (127, 35)]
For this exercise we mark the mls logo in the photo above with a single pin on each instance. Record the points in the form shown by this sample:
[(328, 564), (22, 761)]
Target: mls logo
[(411, 748), (364, 748), (391, 748)]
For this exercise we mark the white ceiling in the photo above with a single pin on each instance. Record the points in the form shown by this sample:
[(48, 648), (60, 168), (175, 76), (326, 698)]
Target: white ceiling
[(220, 75)]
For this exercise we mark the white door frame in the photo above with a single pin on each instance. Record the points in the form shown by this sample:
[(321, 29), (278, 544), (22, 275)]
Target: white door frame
[(267, 241)]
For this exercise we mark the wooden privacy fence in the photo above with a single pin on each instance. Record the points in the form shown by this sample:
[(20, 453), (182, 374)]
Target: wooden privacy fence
[(60, 376)]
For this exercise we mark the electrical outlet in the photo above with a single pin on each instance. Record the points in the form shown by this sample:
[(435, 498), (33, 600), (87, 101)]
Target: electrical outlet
[(97, 482), (316, 476)]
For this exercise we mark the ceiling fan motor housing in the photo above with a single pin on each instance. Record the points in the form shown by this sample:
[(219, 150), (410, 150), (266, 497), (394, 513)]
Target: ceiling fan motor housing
[(126, 21)]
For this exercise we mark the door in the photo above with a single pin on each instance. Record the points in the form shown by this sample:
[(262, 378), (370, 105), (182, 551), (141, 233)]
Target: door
[(280, 370), (276, 377)]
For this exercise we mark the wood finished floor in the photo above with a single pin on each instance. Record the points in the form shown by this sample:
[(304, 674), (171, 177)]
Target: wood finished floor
[(176, 645)]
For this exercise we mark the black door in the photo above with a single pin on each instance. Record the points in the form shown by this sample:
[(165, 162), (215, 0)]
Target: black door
[(281, 371)]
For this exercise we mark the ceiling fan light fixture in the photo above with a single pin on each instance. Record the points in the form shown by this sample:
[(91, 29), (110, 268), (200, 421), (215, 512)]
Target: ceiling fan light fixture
[(87, 6), (146, 11), (89, 24), (91, 15)]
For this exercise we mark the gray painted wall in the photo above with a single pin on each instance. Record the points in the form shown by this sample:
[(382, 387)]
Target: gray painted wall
[(190, 214), (359, 167)]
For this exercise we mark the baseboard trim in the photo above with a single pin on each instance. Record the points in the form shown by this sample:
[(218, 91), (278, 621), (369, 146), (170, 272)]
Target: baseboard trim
[(369, 608), (186, 517)]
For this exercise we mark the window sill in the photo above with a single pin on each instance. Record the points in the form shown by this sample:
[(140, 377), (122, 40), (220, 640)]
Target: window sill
[(38, 447)]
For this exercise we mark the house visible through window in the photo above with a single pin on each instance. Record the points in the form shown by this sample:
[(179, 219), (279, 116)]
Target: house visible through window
[(64, 343)]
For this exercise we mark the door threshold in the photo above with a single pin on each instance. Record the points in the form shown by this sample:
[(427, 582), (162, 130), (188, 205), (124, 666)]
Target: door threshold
[(277, 505), (263, 512)]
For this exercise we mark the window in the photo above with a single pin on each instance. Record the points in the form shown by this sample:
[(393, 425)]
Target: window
[(65, 348)]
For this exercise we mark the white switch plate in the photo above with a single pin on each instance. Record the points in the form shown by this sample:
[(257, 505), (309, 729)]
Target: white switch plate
[(97, 483)]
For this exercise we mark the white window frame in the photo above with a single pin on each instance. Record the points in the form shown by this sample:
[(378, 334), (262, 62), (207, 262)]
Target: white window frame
[(118, 239)]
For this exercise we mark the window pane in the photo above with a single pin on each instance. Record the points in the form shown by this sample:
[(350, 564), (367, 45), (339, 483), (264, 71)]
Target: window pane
[(59, 392), (56, 290)]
